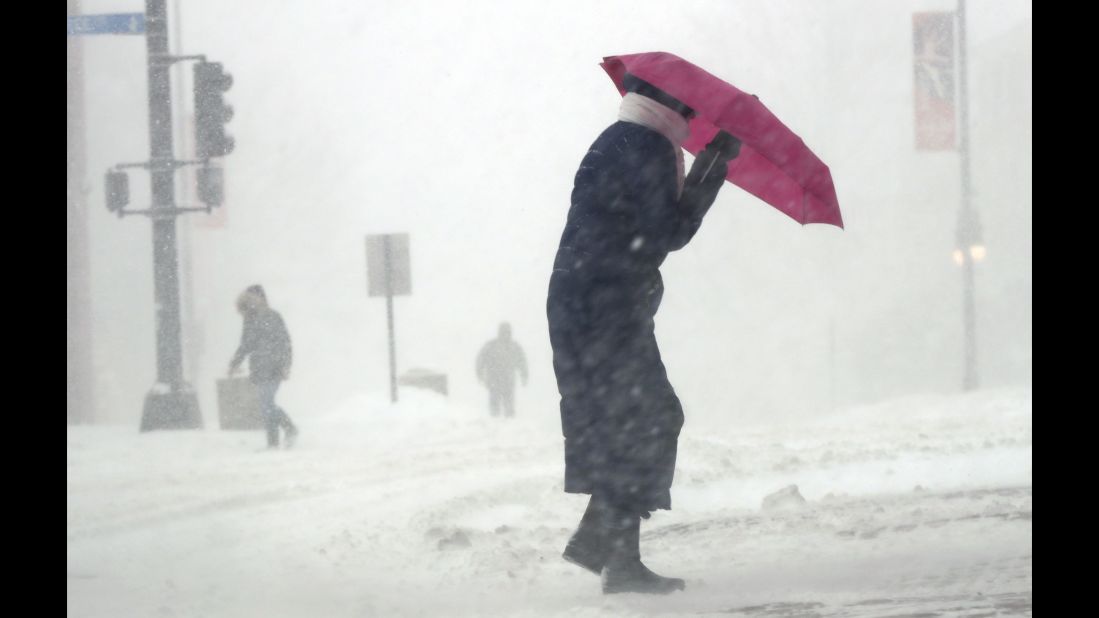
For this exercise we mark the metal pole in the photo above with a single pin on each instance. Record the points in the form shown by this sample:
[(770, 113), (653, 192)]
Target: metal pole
[(389, 319), (80, 373), (171, 404), (969, 381), (165, 261), (187, 253), (968, 219)]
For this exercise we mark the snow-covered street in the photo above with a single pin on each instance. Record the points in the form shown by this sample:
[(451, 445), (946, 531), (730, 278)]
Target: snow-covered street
[(913, 507)]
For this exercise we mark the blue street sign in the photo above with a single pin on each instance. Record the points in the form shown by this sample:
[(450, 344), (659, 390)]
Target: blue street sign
[(115, 23)]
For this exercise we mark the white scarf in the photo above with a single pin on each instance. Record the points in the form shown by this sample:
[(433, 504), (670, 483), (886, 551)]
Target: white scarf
[(646, 112)]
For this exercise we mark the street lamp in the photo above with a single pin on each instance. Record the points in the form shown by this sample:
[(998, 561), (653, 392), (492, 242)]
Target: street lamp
[(977, 253), (969, 225), (969, 241), (971, 244), (934, 45)]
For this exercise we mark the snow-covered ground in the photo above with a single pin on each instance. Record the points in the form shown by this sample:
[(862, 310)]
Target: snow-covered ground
[(914, 507)]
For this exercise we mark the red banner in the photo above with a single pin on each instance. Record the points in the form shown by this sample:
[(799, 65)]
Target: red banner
[(933, 42)]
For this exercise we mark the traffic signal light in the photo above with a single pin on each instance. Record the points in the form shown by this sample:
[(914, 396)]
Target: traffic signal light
[(117, 190), (211, 112), (211, 186)]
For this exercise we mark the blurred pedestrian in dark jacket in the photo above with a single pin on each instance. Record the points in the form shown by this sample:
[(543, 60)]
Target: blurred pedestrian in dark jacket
[(631, 205), (497, 363), (266, 343)]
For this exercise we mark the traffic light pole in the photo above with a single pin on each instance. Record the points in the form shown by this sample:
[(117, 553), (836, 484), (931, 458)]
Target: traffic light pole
[(172, 403)]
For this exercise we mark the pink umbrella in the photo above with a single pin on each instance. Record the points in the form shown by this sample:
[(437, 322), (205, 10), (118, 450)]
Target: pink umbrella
[(774, 164)]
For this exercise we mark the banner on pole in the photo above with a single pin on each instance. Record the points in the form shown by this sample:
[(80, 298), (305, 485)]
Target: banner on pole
[(933, 44)]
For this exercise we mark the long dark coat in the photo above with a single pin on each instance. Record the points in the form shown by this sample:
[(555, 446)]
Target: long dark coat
[(619, 414)]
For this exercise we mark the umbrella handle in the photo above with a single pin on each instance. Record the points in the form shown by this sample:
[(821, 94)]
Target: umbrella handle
[(707, 172), (724, 146)]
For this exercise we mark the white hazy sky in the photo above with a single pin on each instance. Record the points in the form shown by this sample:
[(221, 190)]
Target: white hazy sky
[(462, 123)]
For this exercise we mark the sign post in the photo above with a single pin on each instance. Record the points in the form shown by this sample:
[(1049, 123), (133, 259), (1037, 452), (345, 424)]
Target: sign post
[(388, 274)]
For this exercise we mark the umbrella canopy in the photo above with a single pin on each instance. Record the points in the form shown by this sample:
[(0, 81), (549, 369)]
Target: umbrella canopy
[(774, 164)]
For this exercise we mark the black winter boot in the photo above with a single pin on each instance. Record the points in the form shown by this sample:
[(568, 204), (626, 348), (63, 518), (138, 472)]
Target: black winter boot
[(272, 426), (589, 546), (624, 571)]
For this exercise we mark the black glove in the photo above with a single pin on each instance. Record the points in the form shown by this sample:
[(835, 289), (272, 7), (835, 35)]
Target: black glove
[(724, 146), (711, 164)]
